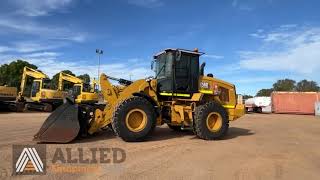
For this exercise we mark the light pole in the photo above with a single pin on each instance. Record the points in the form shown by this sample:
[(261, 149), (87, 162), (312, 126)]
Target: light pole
[(99, 52)]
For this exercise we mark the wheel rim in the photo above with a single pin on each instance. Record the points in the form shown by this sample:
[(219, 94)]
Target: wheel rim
[(214, 122), (136, 120)]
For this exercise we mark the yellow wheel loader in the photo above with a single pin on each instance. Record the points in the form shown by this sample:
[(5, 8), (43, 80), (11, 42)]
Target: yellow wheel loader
[(8, 99), (179, 95), (82, 92), (42, 97)]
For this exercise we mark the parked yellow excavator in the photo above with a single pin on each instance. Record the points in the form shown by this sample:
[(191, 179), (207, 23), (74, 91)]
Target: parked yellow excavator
[(8, 99), (41, 97), (179, 95), (82, 92)]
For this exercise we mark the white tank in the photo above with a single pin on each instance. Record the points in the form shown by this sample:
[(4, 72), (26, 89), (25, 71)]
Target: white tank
[(262, 101)]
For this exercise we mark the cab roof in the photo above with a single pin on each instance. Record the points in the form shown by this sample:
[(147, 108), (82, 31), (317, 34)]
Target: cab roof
[(178, 49)]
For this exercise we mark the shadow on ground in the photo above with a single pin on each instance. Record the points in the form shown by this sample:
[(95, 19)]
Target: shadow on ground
[(160, 134), (235, 132), (5, 110), (8, 111), (164, 133), (167, 133), (100, 136)]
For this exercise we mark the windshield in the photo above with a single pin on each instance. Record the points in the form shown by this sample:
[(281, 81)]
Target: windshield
[(164, 65), (35, 88), (86, 87), (46, 84), (76, 90)]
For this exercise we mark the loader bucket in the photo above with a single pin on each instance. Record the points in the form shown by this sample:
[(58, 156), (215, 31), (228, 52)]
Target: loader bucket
[(62, 126)]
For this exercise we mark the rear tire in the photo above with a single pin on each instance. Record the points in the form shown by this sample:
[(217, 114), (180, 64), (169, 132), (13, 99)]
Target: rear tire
[(134, 119), (210, 121)]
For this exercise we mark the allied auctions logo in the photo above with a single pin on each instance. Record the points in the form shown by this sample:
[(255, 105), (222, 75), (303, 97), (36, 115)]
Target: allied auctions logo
[(29, 159), (32, 159)]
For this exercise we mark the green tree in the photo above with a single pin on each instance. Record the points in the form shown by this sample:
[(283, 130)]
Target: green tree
[(85, 78), (305, 85), (55, 81), (264, 92), (245, 96), (11, 74), (284, 85)]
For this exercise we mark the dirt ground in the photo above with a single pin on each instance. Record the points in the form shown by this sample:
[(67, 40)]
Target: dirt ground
[(258, 146)]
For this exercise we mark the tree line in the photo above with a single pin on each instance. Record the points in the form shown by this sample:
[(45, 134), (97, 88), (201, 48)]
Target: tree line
[(11, 75), (290, 85)]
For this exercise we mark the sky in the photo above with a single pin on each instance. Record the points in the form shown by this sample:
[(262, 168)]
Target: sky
[(250, 43)]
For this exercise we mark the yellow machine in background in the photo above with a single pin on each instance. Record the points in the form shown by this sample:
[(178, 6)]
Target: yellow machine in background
[(83, 93), (41, 96), (179, 95), (8, 97), (8, 93)]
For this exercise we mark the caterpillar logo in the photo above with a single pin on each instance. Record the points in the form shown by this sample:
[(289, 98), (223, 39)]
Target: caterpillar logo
[(204, 85), (28, 159)]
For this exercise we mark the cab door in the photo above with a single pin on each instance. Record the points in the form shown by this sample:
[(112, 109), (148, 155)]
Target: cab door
[(186, 73), (35, 88), (76, 90)]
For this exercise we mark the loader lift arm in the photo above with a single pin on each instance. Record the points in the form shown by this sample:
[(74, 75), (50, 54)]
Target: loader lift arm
[(120, 80)]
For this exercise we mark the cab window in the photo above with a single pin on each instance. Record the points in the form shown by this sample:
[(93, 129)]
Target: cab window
[(224, 94)]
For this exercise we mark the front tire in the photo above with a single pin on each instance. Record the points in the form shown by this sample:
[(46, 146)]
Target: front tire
[(210, 121), (134, 119)]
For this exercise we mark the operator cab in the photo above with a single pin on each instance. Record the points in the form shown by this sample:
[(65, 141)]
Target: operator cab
[(76, 90), (177, 72), (39, 84), (79, 88)]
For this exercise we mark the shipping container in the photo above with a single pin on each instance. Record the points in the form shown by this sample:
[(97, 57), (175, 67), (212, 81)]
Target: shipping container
[(294, 102)]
